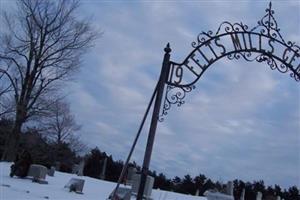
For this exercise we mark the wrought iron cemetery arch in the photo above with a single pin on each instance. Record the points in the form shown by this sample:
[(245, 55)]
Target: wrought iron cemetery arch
[(256, 44), (262, 43)]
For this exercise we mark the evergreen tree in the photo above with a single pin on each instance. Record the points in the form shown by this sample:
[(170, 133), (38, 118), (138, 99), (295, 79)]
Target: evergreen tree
[(277, 190), (92, 165), (162, 182), (294, 193), (199, 183), (238, 188), (209, 184), (176, 182), (188, 185)]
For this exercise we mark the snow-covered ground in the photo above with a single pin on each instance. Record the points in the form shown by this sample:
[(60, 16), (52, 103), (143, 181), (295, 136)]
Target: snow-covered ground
[(94, 189)]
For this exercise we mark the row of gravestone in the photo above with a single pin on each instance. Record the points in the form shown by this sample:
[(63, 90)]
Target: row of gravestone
[(212, 195), (133, 179), (259, 196), (78, 168), (38, 174)]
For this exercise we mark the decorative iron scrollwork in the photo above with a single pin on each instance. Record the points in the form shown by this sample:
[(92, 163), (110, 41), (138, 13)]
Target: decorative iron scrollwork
[(174, 95), (268, 24), (256, 44)]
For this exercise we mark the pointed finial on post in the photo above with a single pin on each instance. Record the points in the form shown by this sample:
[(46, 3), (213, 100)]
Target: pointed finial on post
[(269, 9), (167, 48)]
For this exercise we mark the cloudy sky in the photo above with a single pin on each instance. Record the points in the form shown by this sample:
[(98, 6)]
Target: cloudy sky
[(243, 119)]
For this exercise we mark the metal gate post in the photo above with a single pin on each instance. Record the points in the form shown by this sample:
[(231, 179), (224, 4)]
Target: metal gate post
[(155, 115)]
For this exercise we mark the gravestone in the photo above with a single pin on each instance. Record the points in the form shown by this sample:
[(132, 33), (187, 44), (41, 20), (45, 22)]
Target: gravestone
[(197, 192), (278, 198), (148, 185), (38, 172), (78, 168), (259, 196), (75, 168), (75, 185), (102, 174), (229, 188), (212, 195), (130, 173), (243, 195), (51, 171), (122, 194), (57, 166)]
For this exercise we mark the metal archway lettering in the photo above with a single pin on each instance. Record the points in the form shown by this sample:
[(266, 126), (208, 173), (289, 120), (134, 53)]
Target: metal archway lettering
[(263, 43)]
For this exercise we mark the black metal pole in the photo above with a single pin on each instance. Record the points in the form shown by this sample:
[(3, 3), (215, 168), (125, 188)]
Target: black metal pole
[(124, 169), (160, 89)]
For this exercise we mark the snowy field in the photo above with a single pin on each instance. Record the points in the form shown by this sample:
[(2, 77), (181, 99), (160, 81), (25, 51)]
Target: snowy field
[(94, 189)]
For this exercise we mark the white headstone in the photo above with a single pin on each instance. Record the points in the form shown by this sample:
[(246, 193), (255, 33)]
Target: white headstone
[(121, 194), (259, 196), (75, 185), (80, 168), (57, 166), (75, 169), (102, 175), (130, 173), (38, 172), (51, 171), (229, 188), (278, 198), (243, 195), (148, 186)]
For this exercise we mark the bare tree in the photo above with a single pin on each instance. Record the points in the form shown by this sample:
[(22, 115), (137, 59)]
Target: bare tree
[(76, 144), (60, 126), (6, 106), (40, 48)]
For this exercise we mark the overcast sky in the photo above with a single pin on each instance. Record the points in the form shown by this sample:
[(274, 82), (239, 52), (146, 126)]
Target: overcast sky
[(243, 119)]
